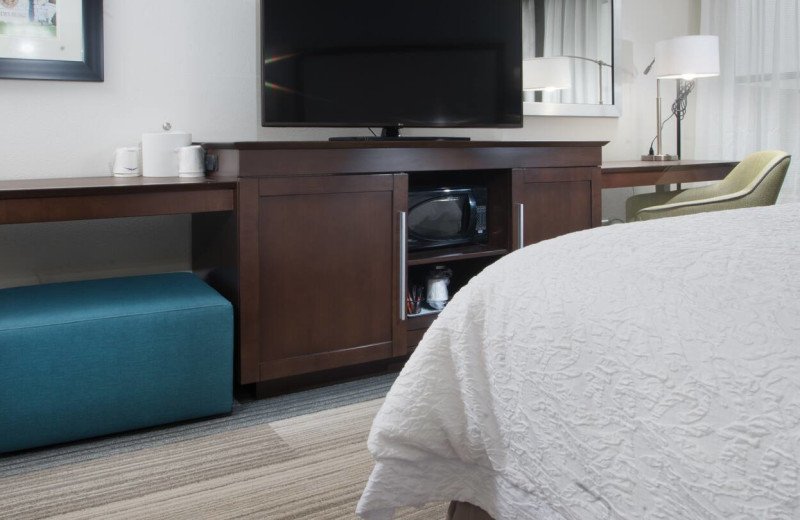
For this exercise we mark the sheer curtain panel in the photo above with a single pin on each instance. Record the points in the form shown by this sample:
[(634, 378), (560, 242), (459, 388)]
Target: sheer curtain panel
[(755, 102)]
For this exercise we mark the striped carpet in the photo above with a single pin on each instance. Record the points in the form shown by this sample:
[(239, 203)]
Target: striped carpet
[(262, 462)]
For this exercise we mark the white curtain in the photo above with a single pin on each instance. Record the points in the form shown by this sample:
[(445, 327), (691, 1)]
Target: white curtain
[(755, 102), (568, 33), (528, 30)]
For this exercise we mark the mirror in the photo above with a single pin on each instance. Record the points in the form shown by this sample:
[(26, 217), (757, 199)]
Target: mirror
[(569, 52)]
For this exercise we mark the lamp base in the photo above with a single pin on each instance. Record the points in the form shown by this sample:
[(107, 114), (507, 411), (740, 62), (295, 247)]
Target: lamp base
[(662, 157)]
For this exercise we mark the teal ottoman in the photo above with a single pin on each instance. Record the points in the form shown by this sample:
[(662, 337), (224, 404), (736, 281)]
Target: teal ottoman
[(82, 359)]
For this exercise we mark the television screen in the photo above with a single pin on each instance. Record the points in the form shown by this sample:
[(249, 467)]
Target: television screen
[(385, 63)]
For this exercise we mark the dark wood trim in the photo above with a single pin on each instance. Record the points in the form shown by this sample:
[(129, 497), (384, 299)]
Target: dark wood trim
[(557, 174), (249, 272), (273, 387), (275, 159), (597, 198), (625, 174), (398, 144), (437, 256), (214, 242), (279, 368), (328, 162), (74, 186), (399, 204), (214, 260), (517, 192), (52, 209), (315, 185), (95, 198), (414, 337), (421, 322)]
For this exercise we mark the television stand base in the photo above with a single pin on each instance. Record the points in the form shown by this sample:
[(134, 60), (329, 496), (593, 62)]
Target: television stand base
[(396, 139), (392, 134)]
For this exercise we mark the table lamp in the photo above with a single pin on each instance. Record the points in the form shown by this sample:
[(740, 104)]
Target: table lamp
[(684, 58), (554, 73), (546, 74)]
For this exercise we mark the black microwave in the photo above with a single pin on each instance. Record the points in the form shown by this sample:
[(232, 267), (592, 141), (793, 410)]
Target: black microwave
[(441, 217)]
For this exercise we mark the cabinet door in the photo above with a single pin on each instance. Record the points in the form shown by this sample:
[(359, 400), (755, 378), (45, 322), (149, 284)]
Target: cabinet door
[(549, 202), (329, 272)]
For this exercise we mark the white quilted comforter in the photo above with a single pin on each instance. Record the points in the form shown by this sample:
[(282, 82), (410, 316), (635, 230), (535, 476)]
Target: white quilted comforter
[(641, 371)]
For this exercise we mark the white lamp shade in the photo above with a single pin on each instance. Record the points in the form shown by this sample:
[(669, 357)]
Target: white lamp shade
[(687, 57), (546, 73)]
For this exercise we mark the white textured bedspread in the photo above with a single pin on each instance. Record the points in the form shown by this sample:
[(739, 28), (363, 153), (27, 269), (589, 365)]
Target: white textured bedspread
[(640, 371)]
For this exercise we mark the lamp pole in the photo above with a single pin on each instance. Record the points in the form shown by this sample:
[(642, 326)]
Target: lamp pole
[(600, 79), (678, 89), (658, 118), (600, 65), (659, 155)]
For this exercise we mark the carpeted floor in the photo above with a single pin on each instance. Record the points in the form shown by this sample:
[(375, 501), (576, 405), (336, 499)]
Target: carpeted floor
[(301, 456)]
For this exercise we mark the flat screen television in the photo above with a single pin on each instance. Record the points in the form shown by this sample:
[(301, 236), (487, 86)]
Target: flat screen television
[(391, 63)]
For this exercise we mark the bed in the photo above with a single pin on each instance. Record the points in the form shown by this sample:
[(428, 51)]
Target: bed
[(640, 371)]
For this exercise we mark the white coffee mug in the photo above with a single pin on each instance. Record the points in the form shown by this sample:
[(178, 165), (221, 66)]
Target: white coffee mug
[(126, 162), (191, 161)]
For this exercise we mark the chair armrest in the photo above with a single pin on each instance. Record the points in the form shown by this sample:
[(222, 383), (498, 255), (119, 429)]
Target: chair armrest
[(674, 209)]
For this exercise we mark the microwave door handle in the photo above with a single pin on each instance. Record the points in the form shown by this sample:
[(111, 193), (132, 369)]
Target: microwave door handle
[(473, 214), (403, 261)]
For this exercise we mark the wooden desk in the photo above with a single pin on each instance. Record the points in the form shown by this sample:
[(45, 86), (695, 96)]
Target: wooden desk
[(624, 174), (212, 204), (51, 200)]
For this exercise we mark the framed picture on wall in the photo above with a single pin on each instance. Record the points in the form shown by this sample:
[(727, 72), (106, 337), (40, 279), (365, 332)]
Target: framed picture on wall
[(51, 39)]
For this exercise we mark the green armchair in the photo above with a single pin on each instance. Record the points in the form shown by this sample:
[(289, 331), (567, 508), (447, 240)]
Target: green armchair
[(756, 181)]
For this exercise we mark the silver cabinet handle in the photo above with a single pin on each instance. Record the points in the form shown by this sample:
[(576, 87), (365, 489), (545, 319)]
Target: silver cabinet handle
[(521, 226), (403, 243)]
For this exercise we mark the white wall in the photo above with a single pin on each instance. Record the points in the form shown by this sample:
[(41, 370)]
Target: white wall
[(194, 63), (190, 62)]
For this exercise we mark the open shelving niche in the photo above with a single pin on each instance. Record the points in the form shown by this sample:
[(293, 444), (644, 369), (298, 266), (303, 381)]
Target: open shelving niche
[(468, 260)]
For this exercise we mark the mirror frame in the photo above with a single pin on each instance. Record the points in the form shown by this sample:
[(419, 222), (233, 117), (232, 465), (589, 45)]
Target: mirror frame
[(585, 110)]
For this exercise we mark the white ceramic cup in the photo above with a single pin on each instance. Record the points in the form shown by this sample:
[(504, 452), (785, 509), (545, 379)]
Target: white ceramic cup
[(126, 162), (191, 161)]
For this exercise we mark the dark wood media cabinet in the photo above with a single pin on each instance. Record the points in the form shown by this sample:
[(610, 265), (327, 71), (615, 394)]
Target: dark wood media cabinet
[(304, 237), (312, 256)]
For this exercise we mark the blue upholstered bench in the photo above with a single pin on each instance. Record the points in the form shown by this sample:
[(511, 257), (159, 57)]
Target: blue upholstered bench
[(82, 359)]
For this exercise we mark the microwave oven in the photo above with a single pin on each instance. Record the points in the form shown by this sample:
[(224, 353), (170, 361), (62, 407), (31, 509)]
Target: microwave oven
[(442, 217)]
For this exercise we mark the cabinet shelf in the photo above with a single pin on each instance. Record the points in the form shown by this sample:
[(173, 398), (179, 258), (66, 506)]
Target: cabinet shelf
[(450, 254), (424, 311), (421, 321)]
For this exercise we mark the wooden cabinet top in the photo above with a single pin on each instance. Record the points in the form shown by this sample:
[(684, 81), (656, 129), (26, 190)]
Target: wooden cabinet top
[(272, 158), (391, 144)]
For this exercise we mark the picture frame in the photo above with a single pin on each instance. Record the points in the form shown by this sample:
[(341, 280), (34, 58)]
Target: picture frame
[(88, 36)]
